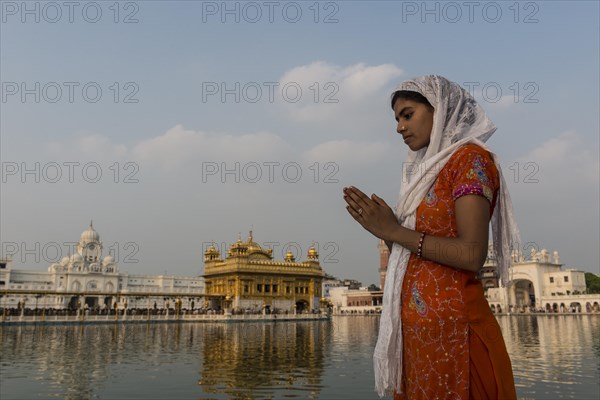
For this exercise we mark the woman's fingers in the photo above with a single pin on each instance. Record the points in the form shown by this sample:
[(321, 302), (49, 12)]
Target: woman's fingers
[(357, 193), (378, 200), (353, 212), (373, 214), (357, 206), (356, 199)]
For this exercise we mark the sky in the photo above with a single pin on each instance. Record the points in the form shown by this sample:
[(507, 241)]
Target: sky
[(174, 124)]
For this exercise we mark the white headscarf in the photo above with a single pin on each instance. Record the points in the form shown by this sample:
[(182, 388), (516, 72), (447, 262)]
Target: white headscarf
[(457, 120)]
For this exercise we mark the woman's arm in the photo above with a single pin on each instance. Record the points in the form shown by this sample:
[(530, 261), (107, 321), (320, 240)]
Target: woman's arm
[(466, 251)]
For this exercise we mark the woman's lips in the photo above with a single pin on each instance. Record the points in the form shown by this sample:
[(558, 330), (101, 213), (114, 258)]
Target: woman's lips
[(406, 138)]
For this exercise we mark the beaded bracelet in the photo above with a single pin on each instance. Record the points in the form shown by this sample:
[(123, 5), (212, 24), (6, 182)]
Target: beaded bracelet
[(420, 248)]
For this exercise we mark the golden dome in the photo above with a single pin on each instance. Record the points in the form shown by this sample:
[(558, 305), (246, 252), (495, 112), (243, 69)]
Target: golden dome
[(312, 253), (211, 254), (211, 250), (290, 257), (252, 245)]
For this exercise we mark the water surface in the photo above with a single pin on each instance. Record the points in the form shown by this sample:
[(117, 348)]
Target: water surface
[(554, 357)]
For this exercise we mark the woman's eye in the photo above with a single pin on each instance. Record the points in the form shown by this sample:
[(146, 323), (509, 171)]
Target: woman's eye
[(407, 116)]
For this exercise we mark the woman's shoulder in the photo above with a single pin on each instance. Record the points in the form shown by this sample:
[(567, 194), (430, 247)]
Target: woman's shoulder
[(469, 154), (472, 170), (471, 150)]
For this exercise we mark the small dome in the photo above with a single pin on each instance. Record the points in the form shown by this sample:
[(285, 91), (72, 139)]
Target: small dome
[(252, 245), (211, 250), (290, 257), (312, 253), (76, 257), (89, 235), (65, 261), (238, 248), (239, 245), (108, 260)]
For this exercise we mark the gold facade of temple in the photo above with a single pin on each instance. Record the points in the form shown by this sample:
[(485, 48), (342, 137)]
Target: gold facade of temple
[(250, 279)]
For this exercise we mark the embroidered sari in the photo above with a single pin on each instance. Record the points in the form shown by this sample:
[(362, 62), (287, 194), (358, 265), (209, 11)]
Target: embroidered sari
[(453, 346)]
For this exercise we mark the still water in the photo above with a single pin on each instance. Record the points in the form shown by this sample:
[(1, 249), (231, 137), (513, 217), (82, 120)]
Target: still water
[(554, 357)]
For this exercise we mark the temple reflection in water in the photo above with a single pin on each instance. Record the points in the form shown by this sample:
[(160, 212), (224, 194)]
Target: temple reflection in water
[(242, 360)]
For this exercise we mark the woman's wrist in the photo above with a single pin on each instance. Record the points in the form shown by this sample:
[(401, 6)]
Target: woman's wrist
[(406, 238)]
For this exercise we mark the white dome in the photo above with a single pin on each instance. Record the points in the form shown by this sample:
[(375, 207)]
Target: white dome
[(108, 260), (76, 257), (54, 267), (89, 235), (64, 261)]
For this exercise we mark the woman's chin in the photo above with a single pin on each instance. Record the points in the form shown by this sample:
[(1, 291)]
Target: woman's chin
[(414, 147)]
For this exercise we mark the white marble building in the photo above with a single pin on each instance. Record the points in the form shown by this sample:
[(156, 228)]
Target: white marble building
[(355, 301), (90, 280), (541, 283)]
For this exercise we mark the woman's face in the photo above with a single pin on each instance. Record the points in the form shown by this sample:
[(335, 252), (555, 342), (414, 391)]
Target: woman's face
[(415, 121)]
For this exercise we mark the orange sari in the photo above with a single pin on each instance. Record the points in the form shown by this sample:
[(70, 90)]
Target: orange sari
[(453, 346)]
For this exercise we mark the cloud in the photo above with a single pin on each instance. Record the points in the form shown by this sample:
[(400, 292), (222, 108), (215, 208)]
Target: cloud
[(331, 93), (175, 149), (359, 102), (565, 160), (179, 147)]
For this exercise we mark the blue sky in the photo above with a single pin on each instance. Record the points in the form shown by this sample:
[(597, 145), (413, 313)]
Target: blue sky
[(539, 63)]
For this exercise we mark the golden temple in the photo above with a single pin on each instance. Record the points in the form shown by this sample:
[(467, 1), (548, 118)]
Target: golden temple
[(249, 279)]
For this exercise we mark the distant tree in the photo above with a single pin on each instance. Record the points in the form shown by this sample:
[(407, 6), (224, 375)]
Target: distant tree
[(373, 288), (592, 282)]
